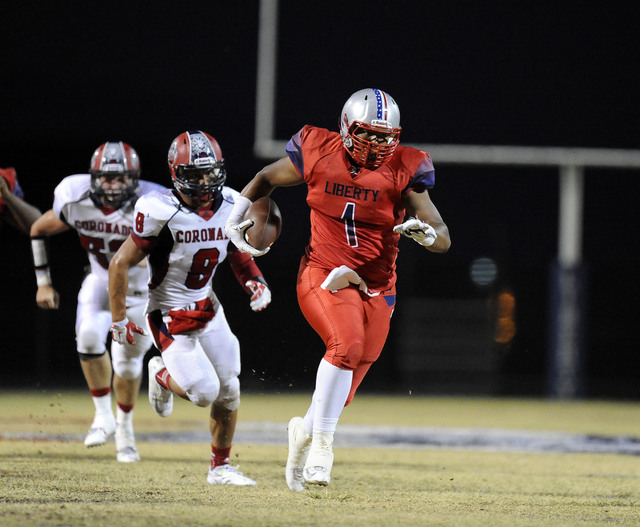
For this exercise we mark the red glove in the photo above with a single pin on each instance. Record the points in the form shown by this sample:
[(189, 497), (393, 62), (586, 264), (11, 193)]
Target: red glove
[(124, 330), (260, 295)]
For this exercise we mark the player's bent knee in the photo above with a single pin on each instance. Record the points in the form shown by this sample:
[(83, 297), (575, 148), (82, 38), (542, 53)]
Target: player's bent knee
[(229, 397), (127, 362), (344, 363), (130, 369), (91, 342), (201, 399), (203, 395)]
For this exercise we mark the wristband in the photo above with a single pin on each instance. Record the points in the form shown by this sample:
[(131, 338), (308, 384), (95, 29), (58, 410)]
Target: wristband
[(39, 250), (239, 208), (43, 277)]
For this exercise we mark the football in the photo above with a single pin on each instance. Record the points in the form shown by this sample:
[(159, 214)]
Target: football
[(267, 223)]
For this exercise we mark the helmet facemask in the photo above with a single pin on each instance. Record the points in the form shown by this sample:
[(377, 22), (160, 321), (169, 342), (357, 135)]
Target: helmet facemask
[(113, 189), (371, 145), (201, 184)]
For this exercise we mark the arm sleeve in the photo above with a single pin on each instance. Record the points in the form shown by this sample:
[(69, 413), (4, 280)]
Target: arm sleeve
[(424, 177), (294, 151), (244, 267)]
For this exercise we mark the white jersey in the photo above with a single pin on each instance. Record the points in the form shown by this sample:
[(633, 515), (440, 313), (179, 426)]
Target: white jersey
[(101, 230), (186, 247)]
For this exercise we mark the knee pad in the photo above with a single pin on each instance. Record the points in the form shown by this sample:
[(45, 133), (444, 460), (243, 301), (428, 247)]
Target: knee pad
[(202, 399), (229, 397), (204, 394), (126, 360), (91, 342), (128, 368)]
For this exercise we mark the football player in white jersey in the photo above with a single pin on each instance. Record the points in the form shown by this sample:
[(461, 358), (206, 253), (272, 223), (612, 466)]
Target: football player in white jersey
[(99, 206), (181, 231)]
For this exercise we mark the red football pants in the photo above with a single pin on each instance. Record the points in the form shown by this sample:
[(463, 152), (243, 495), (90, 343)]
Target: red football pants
[(353, 325)]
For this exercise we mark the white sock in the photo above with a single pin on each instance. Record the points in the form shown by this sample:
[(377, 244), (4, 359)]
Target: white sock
[(308, 418), (332, 389), (103, 405), (124, 418)]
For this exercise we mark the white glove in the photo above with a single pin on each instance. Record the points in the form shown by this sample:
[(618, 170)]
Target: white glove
[(260, 295), (122, 331), (418, 230), (236, 227), (342, 277)]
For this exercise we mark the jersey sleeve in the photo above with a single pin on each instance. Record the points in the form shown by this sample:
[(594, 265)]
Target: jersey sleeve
[(294, 151), (17, 190), (308, 146), (147, 221), (69, 190), (9, 174), (424, 177), (150, 215)]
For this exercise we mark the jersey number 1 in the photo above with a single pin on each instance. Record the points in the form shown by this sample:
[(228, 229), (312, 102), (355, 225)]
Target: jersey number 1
[(348, 216)]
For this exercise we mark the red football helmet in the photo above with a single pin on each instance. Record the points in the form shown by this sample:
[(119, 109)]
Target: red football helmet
[(197, 166), (114, 169)]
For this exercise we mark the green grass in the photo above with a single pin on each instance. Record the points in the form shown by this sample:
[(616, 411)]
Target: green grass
[(62, 483)]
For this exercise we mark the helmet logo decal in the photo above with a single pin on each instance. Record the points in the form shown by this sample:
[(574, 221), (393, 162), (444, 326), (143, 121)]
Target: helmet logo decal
[(202, 153)]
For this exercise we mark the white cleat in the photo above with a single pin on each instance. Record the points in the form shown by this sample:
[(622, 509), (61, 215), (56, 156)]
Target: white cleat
[(317, 469), (160, 398), (126, 450), (228, 475), (299, 443), (101, 430)]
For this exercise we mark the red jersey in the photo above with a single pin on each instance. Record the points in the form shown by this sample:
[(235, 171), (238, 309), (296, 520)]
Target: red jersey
[(12, 180), (353, 212)]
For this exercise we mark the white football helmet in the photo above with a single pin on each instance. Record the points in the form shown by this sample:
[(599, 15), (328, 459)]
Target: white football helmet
[(114, 169), (370, 127)]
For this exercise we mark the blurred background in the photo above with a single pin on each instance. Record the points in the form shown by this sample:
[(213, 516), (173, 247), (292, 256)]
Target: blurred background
[(483, 318)]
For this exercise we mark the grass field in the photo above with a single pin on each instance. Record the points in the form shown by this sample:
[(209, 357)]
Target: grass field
[(48, 477)]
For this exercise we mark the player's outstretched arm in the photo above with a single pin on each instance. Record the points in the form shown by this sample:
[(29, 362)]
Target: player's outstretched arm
[(18, 213), (46, 225), (435, 235), (129, 255)]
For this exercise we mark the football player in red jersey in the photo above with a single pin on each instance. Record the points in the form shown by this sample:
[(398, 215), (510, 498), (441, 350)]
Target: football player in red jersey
[(182, 232), (13, 209), (99, 207), (364, 190)]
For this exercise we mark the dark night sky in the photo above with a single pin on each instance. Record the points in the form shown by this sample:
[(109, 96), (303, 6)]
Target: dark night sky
[(525, 73)]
